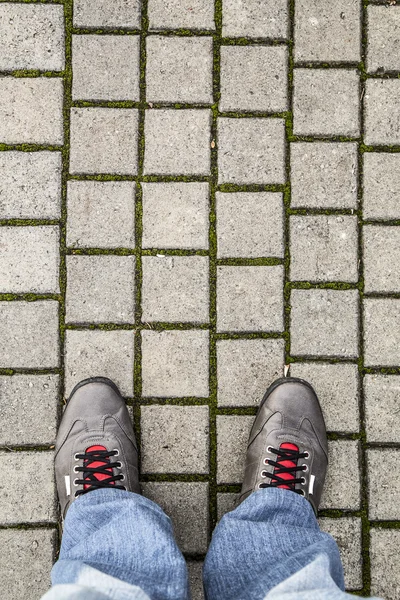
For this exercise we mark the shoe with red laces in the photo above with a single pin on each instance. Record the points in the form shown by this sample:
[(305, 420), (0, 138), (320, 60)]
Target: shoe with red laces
[(288, 447), (96, 445)]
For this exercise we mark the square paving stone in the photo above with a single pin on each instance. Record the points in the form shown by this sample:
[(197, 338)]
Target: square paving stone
[(103, 13), (254, 78), (327, 31), (382, 408), (104, 140), (246, 368), (326, 102), (381, 332), (99, 353), (347, 534), (174, 439), (383, 484), (175, 215), (29, 335), (251, 151), (324, 174), (385, 574), (175, 289), (381, 181), (29, 259), (382, 111), (175, 363), (28, 404), (324, 323), (255, 18), (226, 503), (195, 569), (250, 225), (101, 70), (337, 387), (337, 492), (101, 214), (177, 142), (31, 110), (179, 69), (324, 248), (233, 433), (381, 248), (250, 298), (181, 14), (187, 506), (383, 51), (100, 289)]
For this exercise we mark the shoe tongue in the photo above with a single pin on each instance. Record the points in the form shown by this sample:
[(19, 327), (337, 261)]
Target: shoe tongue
[(287, 463), (94, 464)]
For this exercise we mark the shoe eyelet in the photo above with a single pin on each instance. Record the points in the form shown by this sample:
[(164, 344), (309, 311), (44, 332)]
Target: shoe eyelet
[(303, 481), (75, 482), (260, 486), (305, 468), (302, 493), (263, 474), (75, 469), (123, 477), (117, 451), (119, 465), (266, 461), (76, 456), (307, 455), (269, 448)]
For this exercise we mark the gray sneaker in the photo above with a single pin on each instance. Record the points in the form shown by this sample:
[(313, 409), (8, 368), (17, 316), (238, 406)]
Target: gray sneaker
[(96, 446), (288, 447)]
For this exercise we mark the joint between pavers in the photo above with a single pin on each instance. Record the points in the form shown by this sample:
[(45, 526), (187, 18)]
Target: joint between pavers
[(29, 297), (187, 401), (104, 31), (252, 187), (30, 147), (243, 41), (174, 477), (27, 222), (31, 73), (344, 66), (251, 262), (101, 251), (253, 335)]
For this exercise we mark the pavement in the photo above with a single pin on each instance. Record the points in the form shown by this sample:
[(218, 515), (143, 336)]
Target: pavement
[(197, 197)]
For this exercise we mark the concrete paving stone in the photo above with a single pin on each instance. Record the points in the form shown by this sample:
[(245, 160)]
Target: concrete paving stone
[(29, 335), (101, 214), (255, 19), (381, 175), (254, 78), (251, 151), (337, 387), (347, 534), (326, 102), (324, 248), (245, 369), (187, 506), (382, 111), (32, 37), (250, 225), (233, 433), (381, 249), (383, 52), (33, 500), (175, 215), (27, 575), (195, 569), (181, 14), (324, 174), (177, 142), (383, 484), (250, 298), (175, 363), (104, 353), (382, 408), (344, 457), (31, 110), (28, 404), (30, 185), (327, 31), (103, 13), (385, 575), (226, 503), (104, 140), (100, 289), (174, 439), (179, 69), (101, 70), (381, 332), (175, 289)]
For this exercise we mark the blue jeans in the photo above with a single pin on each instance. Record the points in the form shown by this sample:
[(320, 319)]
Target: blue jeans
[(119, 545)]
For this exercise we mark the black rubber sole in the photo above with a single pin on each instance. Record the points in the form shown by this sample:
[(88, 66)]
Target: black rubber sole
[(99, 379)]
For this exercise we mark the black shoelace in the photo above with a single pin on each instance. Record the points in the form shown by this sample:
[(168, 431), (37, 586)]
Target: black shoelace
[(279, 469), (89, 473)]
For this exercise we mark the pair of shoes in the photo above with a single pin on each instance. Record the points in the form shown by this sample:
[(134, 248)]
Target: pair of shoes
[(96, 445)]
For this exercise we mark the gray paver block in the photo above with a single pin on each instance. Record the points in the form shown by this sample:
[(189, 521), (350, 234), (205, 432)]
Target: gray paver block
[(27, 574), (30, 185), (385, 575), (178, 14), (324, 248), (324, 174), (100, 289), (254, 78), (175, 289), (187, 506), (33, 500), (246, 368), (383, 484), (326, 102), (104, 140), (175, 363), (383, 52), (347, 533), (101, 214), (103, 13), (101, 70), (175, 215), (233, 433), (250, 225), (337, 388), (179, 69), (104, 353), (381, 332), (382, 111), (28, 404), (32, 37), (195, 569), (382, 408), (324, 323), (343, 456), (381, 248), (177, 142), (31, 110), (250, 298), (174, 439), (226, 503), (381, 180), (255, 18), (251, 151), (29, 335), (327, 30)]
